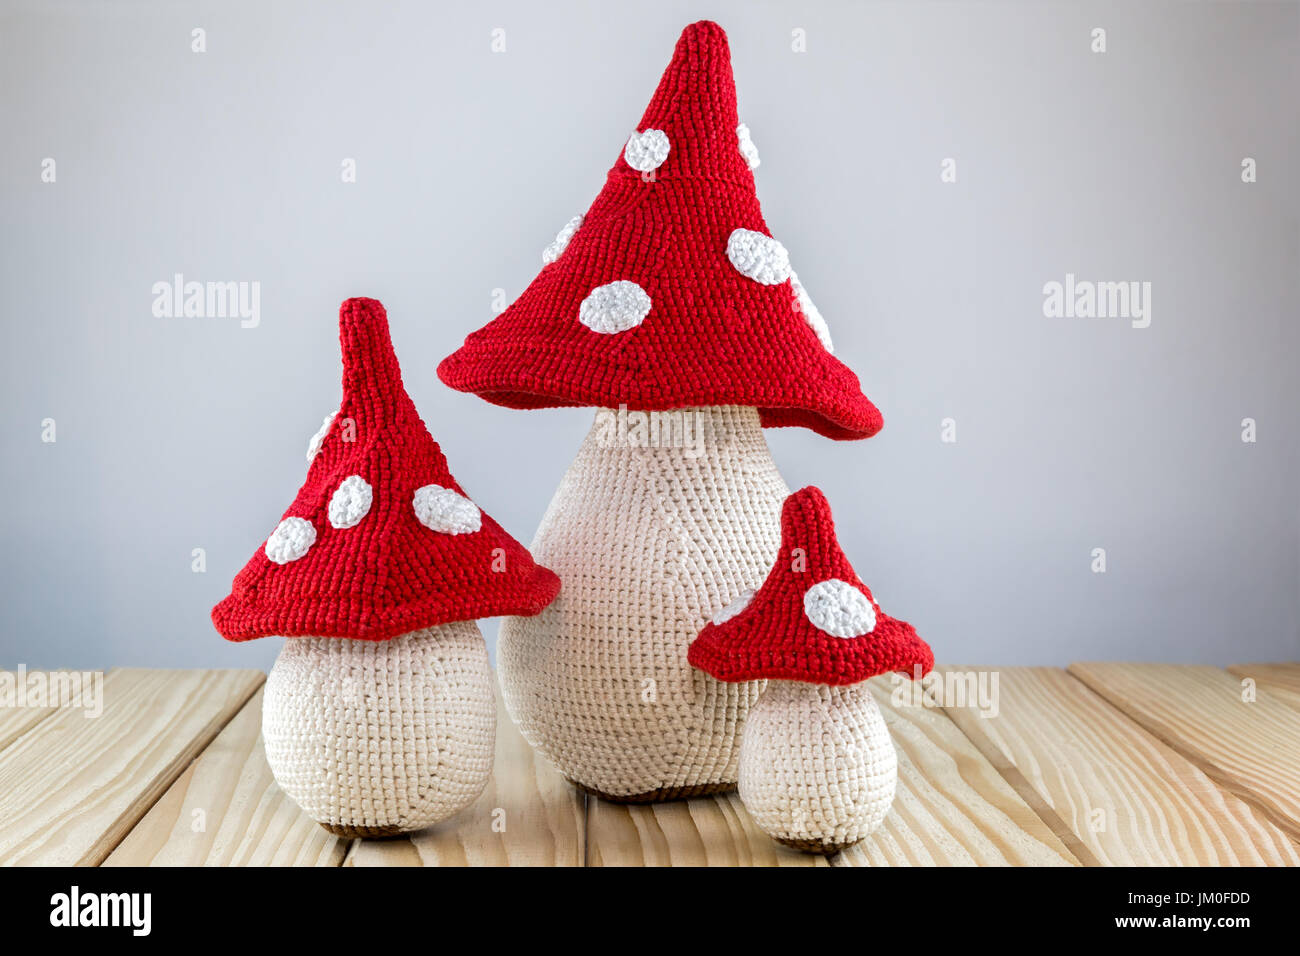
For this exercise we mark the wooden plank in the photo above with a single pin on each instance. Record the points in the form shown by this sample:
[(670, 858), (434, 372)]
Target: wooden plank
[(1280, 680), (14, 723), (17, 716), (967, 811), (1127, 798), (526, 816), (952, 808), (226, 810), (1250, 747), (73, 787), (705, 831)]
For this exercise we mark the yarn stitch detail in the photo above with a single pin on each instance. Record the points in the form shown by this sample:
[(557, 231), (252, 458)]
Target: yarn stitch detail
[(747, 147), (839, 609), (614, 307), (759, 257), (291, 540), (382, 736), (351, 502), (441, 509), (561, 242), (647, 151), (803, 304), (313, 446)]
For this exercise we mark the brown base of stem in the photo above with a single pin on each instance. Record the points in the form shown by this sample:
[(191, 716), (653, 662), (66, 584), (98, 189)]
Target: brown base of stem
[(816, 846), (369, 833), (657, 796)]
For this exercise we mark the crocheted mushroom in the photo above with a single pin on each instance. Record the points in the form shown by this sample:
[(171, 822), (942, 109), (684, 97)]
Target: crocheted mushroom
[(817, 766), (379, 715), (671, 308)]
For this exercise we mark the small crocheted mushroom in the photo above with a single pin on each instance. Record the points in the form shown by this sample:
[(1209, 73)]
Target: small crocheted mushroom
[(671, 308), (379, 715), (817, 766)]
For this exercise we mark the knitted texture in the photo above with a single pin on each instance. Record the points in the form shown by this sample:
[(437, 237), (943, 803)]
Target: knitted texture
[(813, 619), (650, 542), (697, 317), (817, 767), (380, 540), (378, 737)]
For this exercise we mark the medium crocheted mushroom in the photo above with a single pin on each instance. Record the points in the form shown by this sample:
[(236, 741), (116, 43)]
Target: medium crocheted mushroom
[(671, 308), (817, 766), (379, 715)]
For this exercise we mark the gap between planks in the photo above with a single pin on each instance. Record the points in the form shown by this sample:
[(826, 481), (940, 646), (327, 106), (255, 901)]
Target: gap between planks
[(1249, 747), (1026, 791), (17, 721), (952, 808), (526, 815), (671, 833), (153, 724), (225, 809), (1082, 756), (13, 731)]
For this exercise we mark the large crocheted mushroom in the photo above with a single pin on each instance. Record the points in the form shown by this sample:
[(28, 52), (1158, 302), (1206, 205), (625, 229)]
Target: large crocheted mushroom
[(817, 766), (671, 308), (379, 715)]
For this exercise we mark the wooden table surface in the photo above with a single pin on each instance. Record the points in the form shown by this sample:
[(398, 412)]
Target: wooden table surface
[(1101, 764)]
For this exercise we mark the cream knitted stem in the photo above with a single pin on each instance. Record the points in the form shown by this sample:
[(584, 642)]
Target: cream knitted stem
[(817, 766), (374, 738), (650, 542)]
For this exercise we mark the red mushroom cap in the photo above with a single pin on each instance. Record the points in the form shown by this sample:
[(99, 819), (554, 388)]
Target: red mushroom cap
[(381, 540), (671, 293), (813, 620)]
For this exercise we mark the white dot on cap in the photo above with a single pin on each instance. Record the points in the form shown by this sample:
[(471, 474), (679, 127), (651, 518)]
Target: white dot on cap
[(734, 608), (839, 609), (747, 147), (759, 257), (803, 304), (313, 446), (350, 502), (614, 307), (556, 248), (290, 540), (647, 151), (441, 509)]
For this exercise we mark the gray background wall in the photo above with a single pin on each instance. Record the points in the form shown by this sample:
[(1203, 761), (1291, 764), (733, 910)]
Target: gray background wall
[(1072, 434)]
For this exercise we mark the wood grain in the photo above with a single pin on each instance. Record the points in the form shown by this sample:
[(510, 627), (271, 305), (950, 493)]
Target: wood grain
[(952, 808), (1250, 747), (1127, 798), (527, 816), (72, 787), (704, 831), (1280, 680), (16, 720), (1122, 764), (226, 810)]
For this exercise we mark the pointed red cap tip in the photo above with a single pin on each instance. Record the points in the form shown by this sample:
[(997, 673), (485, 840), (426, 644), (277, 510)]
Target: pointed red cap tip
[(646, 303), (813, 620), (380, 540), (701, 29), (370, 371)]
